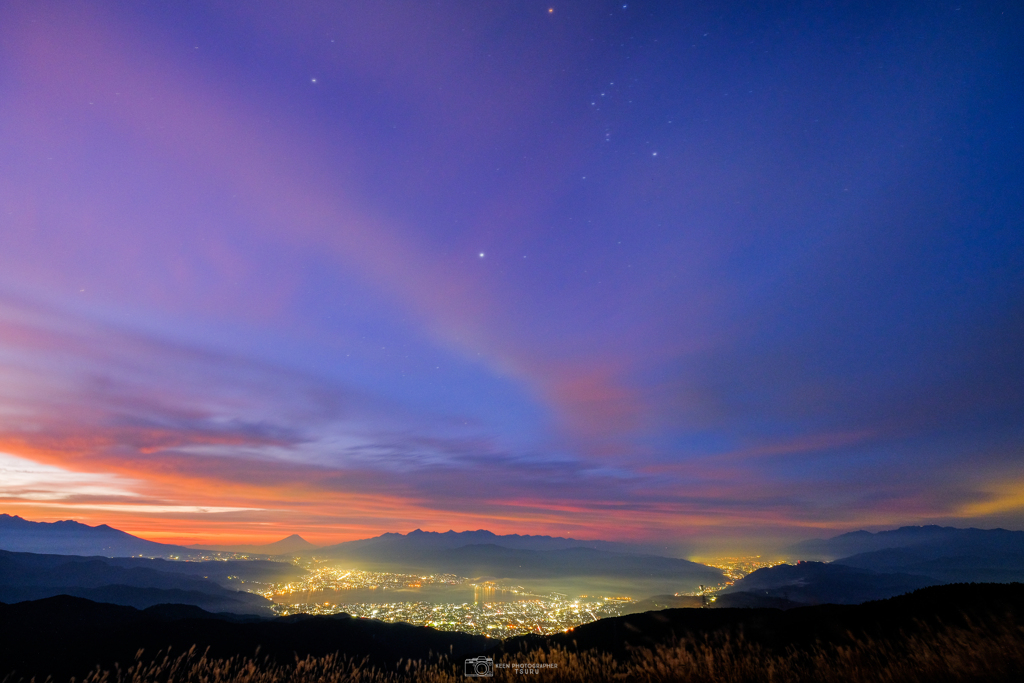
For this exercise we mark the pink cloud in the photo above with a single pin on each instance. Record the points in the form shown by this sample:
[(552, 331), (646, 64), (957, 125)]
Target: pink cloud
[(288, 199)]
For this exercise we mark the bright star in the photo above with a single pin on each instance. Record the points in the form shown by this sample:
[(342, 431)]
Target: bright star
[(481, 254)]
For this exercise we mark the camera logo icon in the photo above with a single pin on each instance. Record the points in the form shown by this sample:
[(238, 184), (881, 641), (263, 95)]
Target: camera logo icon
[(480, 667)]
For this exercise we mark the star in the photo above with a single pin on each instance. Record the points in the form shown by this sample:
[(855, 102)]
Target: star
[(481, 254), (313, 80)]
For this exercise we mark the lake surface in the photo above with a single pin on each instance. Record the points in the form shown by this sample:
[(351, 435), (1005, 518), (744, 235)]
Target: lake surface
[(467, 593), (438, 594)]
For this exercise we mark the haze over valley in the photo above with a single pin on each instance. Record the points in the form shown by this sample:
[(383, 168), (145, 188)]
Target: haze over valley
[(480, 582)]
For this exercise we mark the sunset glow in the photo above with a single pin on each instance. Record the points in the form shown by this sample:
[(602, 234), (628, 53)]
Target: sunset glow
[(624, 272)]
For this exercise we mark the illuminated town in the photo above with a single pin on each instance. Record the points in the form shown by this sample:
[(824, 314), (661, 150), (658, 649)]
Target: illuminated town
[(496, 610), (494, 619), (734, 568), (517, 612)]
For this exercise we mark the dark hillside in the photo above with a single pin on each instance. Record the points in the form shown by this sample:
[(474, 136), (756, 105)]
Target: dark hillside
[(135, 582), (65, 636), (958, 605), (818, 583)]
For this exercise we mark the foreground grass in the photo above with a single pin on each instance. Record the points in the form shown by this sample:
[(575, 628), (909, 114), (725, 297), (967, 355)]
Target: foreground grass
[(994, 652)]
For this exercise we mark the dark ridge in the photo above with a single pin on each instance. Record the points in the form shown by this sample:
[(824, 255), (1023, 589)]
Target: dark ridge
[(818, 583), (941, 537), (65, 636), (958, 605), (135, 582)]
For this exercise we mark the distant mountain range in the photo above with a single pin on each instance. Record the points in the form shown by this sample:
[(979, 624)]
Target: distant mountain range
[(73, 538), (865, 566), (136, 582), (974, 557), (858, 542), (873, 566), (944, 554), (292, 545), (592, 565), (482, 554), (387, 545)]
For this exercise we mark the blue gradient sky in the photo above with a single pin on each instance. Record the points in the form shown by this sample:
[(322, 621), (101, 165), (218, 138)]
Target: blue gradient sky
[(687, 273)]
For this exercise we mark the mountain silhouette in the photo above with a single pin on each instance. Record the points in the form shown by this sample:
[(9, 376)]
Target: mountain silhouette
[(419, 540), (73, 538), (518, 558), (859, 542), (291, 545), (945, 562), (30, 576), (816, 583)]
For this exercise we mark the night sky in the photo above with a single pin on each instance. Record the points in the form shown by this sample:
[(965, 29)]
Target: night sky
[(693, 273)]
